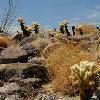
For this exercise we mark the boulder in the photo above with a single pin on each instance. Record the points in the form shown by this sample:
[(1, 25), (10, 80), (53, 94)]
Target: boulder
[(12, 97), (37, 60), (31, 50), (33, 83), (27, 40), (37, 71), (13, 54), (9, 88), (6, 74), (41, 96), (15, 72), (9, 71)]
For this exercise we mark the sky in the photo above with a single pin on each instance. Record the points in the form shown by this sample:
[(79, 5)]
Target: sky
[(49, 13)]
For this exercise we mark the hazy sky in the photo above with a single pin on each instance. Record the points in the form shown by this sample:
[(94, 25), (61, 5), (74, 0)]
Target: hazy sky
[(50, 12)]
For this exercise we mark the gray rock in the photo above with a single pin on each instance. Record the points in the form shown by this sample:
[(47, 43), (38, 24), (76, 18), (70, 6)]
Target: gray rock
[(69, 98), (45, 97), (28, 80), (37, 60), (13, 54), (9, 88), (31, 51), (6, 74), (27, 40), (42, 96), (15, 72), (12, 97), (37, 71), (8, 71), (32, 83)]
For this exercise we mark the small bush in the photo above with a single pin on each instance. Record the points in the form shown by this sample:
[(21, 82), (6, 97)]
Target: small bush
[(4, 40), (59, 62)]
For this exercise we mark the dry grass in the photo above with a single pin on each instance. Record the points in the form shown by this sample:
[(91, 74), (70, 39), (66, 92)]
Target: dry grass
[(59, 63), (92, 47), (50, 48)]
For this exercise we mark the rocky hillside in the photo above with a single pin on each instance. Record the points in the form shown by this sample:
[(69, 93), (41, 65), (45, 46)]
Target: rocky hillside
[(36, 67)]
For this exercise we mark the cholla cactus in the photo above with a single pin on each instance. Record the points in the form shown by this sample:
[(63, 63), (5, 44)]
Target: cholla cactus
[(20, 20), (82, 72), (35, 26), (53, 33), (65, 22), (57, 35), (25, 28), (78, 27), (73, 30), (28, 28), (63, 27)]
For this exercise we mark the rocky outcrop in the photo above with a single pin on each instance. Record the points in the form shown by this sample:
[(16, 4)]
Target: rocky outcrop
[(31, 50), (9, 88), (23, 69), (13, 54), (18, 80), (37, 71)]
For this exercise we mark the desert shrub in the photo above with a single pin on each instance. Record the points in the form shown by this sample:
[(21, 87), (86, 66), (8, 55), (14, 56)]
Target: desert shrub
[(36, 27), (40, 43), (4, 40), (59, 63), (86, 29), (53, 33), (92, 47)]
